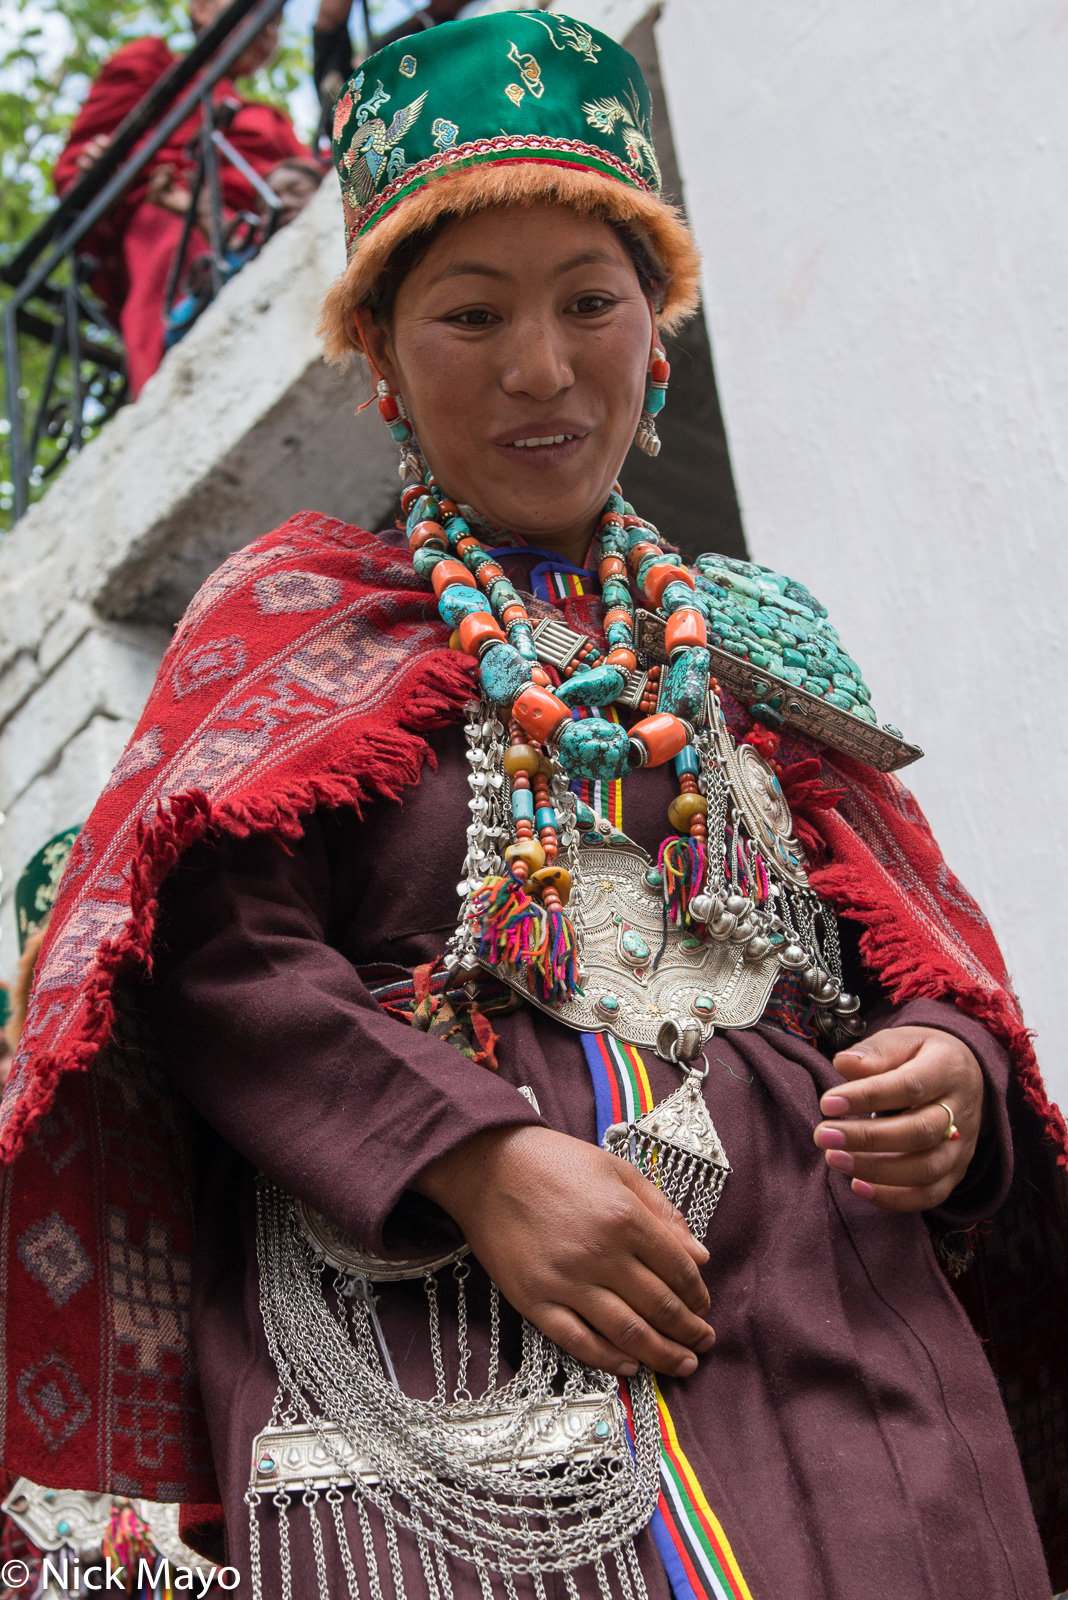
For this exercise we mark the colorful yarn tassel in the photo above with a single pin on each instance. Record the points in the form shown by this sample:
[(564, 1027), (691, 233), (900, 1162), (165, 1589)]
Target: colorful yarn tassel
[(515, 931), (127, 1541), (682, 865)]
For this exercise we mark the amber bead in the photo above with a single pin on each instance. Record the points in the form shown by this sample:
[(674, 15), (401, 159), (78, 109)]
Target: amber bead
[(684, 808), (538, 711), (426, 533), (454, 640), (528, 851), (658, 578), (622, 658), (479, 630), (662, 735), (557, 878), (521, 758), (685, 628), (447, 572)]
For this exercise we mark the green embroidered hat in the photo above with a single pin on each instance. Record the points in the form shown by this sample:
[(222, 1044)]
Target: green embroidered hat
[(505, 109), (35, 892)]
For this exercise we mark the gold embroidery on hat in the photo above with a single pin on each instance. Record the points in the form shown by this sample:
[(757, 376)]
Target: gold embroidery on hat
[(605, 114), (407, 66), (575, 35), (529, 71)]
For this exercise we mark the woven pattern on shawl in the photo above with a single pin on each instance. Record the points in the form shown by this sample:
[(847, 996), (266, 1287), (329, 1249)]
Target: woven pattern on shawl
[(297, 675)]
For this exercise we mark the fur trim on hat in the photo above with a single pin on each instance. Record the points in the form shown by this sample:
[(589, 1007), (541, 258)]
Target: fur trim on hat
[(520, 183)]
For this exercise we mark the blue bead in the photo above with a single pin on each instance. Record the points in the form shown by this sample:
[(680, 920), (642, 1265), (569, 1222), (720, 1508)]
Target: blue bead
[(598, 686), (400, 431), (522, 805), (503, 672), (545, 817), (616, 592), (655, 398), (684, 687), (686, 761), (458, 601), (675, 597), (522, 639), (425, 560), (619, 634), (594, 748)]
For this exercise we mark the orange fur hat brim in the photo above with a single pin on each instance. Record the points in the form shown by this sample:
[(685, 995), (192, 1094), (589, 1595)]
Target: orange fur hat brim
[(527, 183)]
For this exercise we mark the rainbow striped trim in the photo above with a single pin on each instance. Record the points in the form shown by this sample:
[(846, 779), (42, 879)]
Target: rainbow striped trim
[(696, 1552)]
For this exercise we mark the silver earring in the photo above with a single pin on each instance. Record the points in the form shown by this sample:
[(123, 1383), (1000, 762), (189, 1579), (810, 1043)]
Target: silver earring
[(647, 438), (393, 413)]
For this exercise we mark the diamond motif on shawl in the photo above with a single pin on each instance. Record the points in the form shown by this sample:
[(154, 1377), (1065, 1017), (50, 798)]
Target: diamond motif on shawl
[(52, 1252), (53, 1399), (278, 592), (58, 1137), (218, 658)]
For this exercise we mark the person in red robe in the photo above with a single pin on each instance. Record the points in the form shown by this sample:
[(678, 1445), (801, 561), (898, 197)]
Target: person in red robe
[(136, 244)]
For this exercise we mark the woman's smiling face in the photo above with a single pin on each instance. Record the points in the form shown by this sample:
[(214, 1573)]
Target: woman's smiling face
[(520, 342)]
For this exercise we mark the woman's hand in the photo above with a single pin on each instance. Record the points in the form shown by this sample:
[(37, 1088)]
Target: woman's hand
[(903, 1162), (581, 1244)]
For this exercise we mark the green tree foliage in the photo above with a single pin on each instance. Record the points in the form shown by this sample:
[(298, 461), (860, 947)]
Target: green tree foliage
[(48, 58)]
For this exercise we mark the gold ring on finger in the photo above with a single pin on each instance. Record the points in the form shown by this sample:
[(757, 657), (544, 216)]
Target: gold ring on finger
[(952, 1132)]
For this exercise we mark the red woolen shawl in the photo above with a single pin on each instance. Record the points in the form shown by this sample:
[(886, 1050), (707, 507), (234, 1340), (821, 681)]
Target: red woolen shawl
[(306, 672)]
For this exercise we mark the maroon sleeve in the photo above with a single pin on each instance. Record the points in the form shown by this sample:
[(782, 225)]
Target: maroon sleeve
[(121, 82), (987, 1181), (271, 1035)]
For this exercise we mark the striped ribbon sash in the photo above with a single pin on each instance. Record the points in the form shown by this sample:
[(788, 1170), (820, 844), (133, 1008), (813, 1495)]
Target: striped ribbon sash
[(696, 1552)]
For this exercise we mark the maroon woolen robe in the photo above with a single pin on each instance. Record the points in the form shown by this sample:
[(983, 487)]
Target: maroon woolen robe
[(846, 1428)]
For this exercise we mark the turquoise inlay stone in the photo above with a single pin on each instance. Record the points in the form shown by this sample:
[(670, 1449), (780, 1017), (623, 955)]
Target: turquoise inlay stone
[(425, 560), (654, 878), (704, 1005), (684, 686), (791, 675), (504, 672), (793, 658), (634, 945), (844, 680), (865, 713), (266, 1464), (458, 601), (63, 1527), (521, 638), (844, 702), (609, 1004), (758, 658), (522, 805), (690, 941), (594, 748), (766, 714), (602, 1430), (598, 686), (737, 647)]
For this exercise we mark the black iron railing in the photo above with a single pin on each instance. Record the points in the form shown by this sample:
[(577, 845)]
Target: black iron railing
[(83, 381)]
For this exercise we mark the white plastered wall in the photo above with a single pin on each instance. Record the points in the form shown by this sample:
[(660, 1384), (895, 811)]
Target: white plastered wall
[(879, 193)]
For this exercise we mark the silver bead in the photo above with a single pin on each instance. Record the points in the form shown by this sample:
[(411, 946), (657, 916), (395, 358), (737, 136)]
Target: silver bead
[(722, 926), (702, 908), (738, 905), (793, 957), (847, 1005), (757, 948)]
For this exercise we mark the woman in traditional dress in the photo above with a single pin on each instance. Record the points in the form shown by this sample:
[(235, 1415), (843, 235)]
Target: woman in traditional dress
[(710, 1040)]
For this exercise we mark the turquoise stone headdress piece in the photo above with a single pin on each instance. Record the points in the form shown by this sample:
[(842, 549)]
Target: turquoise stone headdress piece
[(498, 110)]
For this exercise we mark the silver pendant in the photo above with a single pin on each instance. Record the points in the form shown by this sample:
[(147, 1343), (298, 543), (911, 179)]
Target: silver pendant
[(639, 971), (676, 1146)]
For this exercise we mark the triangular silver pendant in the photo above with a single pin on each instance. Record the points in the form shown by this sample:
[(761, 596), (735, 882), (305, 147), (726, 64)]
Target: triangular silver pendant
[(676, 1146)]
